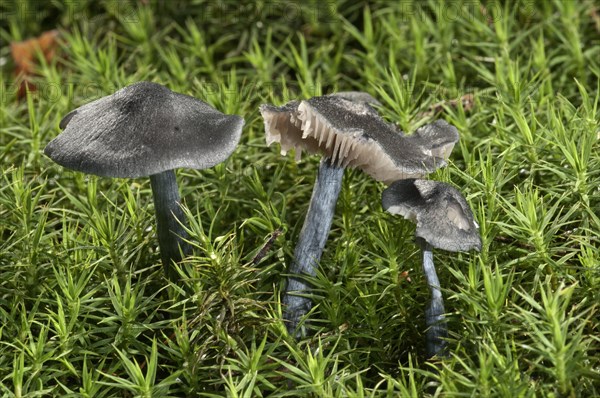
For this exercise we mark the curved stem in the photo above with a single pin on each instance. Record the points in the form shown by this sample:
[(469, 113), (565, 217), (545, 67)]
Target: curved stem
[(434, 315), (311, 242), (169, 219)]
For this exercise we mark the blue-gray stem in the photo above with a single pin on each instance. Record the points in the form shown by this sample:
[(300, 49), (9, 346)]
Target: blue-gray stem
[(311, 243), (169, 220), (434, 315)]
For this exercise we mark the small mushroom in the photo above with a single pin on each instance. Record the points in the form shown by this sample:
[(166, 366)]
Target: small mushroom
[(348, 132), (445, 221), (145, 129)]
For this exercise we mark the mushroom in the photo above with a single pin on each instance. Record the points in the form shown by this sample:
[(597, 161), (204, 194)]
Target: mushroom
[(348, 132), (445, 221), (145, 129)]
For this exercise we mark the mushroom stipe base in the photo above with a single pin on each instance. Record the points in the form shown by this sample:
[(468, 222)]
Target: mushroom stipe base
[(311, 243), (437, 330)]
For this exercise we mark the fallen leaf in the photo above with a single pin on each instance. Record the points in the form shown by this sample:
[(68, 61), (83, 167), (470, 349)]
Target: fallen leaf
[(404, 275), (24, 54), (595, 17)]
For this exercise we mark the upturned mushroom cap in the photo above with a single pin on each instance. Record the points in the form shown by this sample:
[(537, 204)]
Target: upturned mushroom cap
[(144, 129), (443, 217), (357, 96), (436, 139), (352, 134)]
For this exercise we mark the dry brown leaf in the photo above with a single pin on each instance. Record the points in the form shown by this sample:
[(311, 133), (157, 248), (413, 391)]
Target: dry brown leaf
[(595, 17), (24, 54)]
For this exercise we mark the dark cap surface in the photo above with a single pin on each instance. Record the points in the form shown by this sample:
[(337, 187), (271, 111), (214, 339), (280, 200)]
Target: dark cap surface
[(443, 216), (144, 129)]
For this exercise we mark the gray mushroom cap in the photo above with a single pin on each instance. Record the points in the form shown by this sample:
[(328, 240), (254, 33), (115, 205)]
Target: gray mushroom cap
[(352, 134), (443, 217), (436, 139), (357, 96), (144, 129)]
